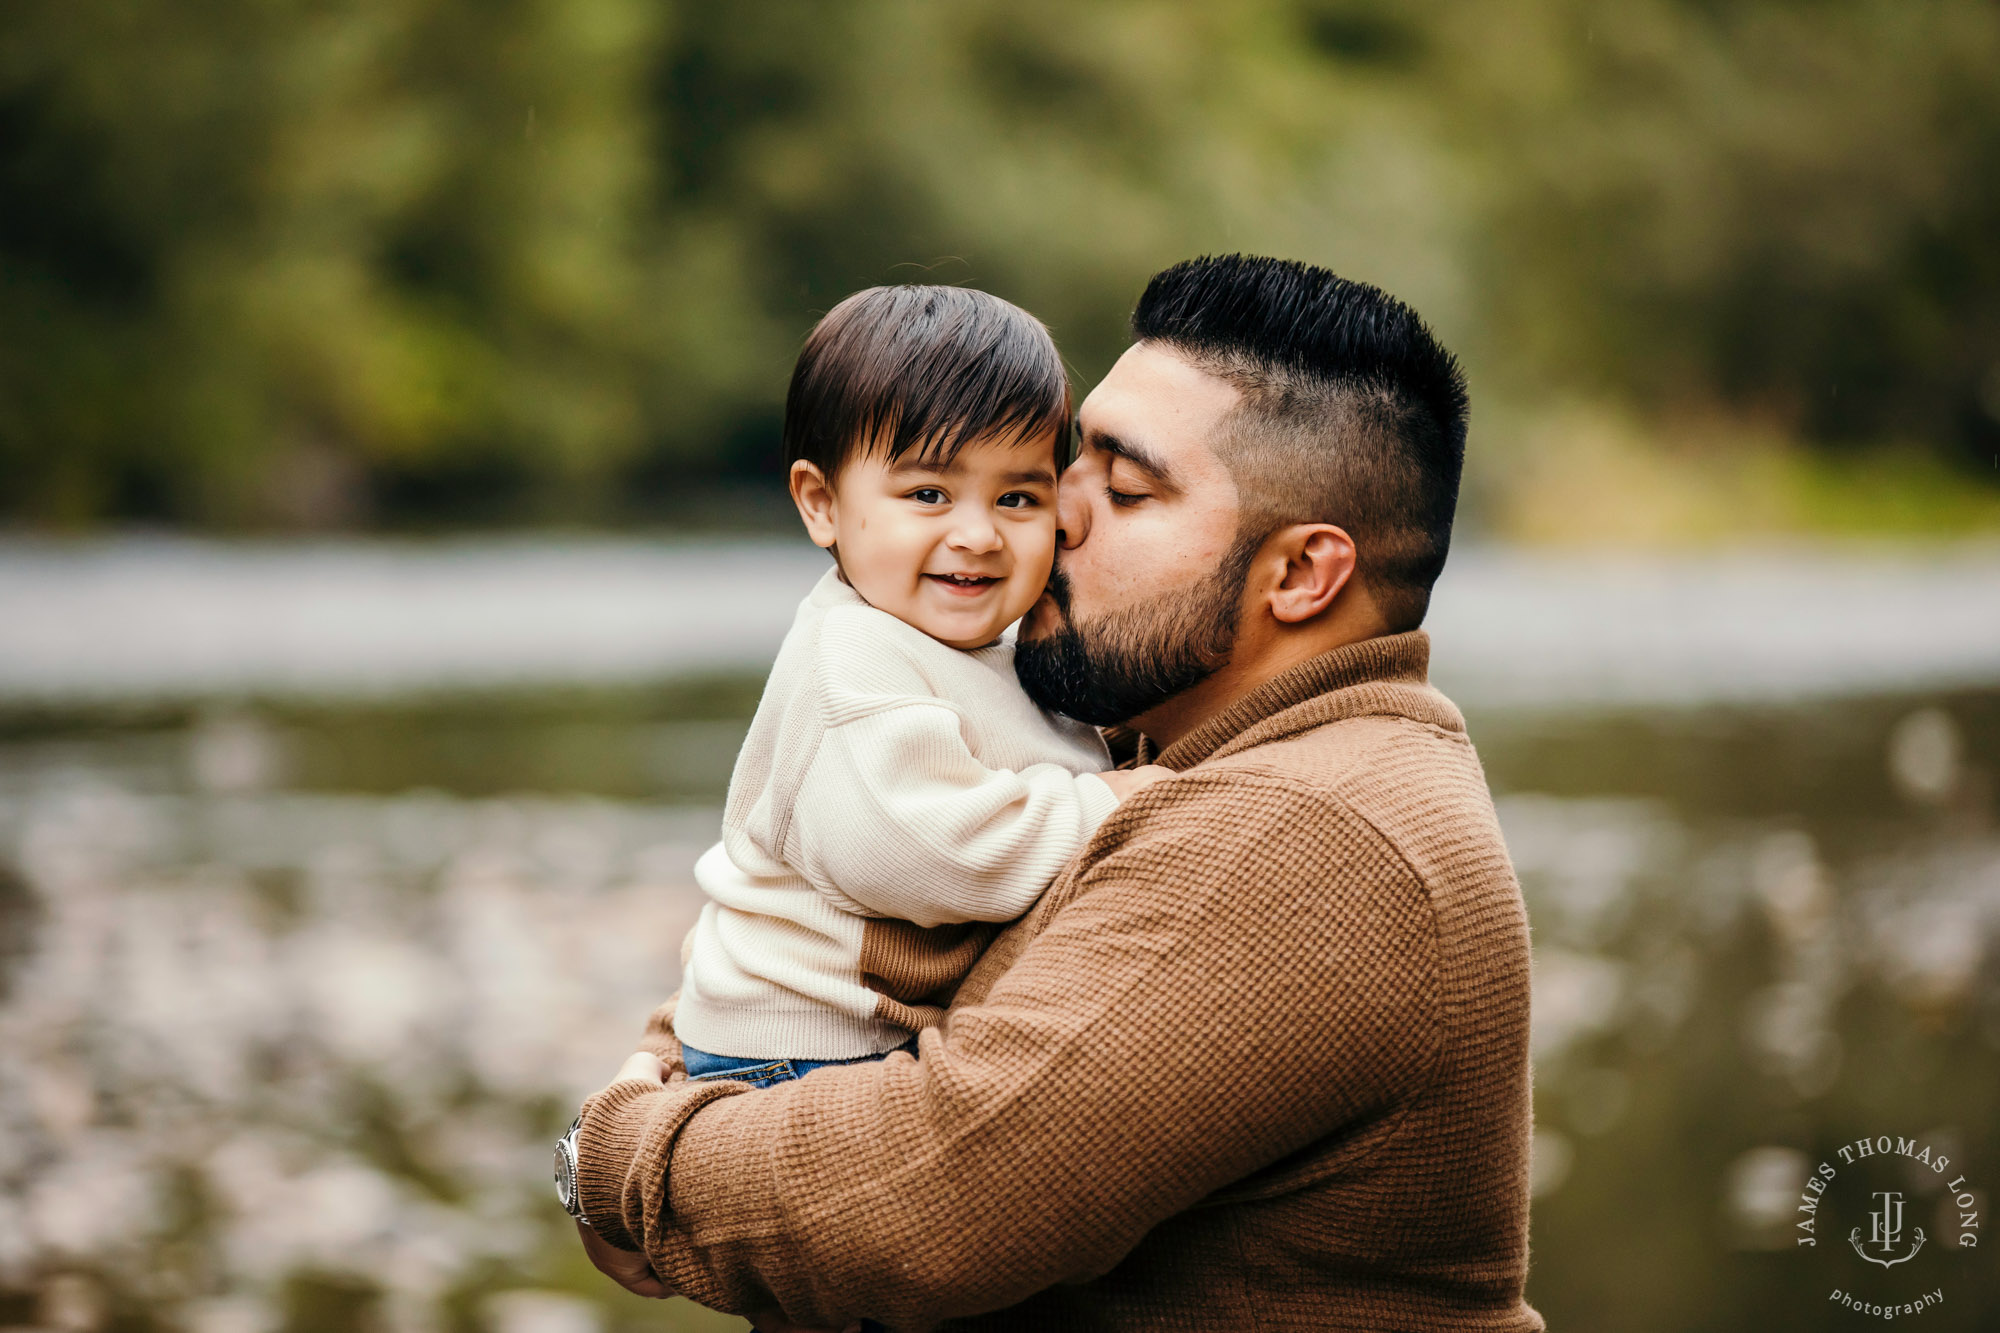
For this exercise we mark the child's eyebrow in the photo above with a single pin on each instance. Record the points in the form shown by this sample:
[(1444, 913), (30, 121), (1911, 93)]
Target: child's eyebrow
[(908, 465)]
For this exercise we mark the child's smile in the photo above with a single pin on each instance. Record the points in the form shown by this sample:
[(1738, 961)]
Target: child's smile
[(966, 585)]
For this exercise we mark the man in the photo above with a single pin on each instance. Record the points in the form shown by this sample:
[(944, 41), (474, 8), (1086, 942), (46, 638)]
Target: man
[(1258, 1059)]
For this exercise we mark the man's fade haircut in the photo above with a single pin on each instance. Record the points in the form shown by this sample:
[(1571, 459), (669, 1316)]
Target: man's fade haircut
[(1352, 412), (928, 368)]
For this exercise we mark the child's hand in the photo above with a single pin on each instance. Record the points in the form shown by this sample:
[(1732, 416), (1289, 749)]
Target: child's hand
[(642, 1064), (1126, 782)]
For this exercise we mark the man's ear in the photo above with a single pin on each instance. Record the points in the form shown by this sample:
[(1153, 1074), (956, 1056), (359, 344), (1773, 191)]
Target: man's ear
[(1319, 560), (813, 494)]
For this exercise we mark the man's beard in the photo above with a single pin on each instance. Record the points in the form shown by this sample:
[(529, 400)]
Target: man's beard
[(1128, 662)]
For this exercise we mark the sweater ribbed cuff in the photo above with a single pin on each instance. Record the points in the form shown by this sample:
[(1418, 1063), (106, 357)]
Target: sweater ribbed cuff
[(625, 1149)]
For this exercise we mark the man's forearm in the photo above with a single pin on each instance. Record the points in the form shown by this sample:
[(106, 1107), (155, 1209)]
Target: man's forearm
[(623, 1150)]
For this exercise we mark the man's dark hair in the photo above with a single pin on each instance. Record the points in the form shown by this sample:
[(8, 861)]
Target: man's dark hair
[(1352, 413), (925, 368)]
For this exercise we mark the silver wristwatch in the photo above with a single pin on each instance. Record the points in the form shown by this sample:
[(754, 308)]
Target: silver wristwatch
[(566, 1172)]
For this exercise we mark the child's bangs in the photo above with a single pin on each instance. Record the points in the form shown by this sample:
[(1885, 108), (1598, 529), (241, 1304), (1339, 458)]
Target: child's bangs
[(896, 371), (973, 408)]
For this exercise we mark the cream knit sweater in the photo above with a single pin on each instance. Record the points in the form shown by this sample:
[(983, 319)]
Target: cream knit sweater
[(890, 788)]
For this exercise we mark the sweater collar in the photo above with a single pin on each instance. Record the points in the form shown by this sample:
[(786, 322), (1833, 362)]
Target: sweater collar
[(1387, 675)]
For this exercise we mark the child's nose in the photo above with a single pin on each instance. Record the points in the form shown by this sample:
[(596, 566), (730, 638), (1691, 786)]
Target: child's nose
[(975, 533)]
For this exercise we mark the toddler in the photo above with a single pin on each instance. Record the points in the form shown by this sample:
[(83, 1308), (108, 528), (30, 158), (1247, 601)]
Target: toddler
[(897, 788)]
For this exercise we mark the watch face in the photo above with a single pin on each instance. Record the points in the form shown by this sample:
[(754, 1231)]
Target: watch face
[(566, 1176), (566, 1169)]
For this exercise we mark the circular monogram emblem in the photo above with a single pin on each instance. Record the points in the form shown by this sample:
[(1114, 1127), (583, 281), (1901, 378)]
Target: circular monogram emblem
[(1899, 1214)]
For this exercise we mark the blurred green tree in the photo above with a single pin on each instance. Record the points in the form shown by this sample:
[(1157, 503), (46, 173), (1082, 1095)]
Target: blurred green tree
[(287, 262), (1790, 207), (295, 262)]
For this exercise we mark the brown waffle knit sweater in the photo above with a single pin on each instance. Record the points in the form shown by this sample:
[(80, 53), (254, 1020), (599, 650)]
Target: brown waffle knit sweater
[(1259, 1059)]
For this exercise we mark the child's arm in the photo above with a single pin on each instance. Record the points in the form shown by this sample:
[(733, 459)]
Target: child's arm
[(896, 814)]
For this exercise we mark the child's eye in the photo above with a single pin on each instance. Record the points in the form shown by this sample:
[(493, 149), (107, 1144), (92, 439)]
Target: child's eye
[(929, 495), (1018, 500), (1122, 498)]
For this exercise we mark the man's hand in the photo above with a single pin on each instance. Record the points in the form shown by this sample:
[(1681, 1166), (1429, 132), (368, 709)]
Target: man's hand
[(628, 1270)]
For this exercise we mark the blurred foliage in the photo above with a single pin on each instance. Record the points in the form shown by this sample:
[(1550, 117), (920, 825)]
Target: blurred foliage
[(1788, 205), (272, 263)]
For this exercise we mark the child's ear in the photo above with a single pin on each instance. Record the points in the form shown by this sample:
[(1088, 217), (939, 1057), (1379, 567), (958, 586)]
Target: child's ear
[(813, 494)]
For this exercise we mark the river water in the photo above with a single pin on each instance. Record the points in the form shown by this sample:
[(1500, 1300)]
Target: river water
[(332, 876)]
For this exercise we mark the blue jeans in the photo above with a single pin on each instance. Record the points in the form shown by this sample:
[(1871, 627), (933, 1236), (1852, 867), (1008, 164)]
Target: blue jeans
[(762, 1073)]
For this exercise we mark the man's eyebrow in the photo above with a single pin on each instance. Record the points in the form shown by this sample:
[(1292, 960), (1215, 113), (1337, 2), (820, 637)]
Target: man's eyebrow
[(1138, 455)]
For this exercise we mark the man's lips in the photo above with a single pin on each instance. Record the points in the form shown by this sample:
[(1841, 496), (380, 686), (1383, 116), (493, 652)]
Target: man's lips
[(964, 585)]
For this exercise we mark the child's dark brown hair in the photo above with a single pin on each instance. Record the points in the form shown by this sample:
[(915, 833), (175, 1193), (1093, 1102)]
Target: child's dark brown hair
[(924, 368)]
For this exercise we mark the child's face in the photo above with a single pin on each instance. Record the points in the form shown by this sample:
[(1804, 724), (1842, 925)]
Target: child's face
[(959, 550)]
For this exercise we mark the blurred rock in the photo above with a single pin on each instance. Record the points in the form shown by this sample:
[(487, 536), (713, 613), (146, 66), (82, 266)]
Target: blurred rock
[(541, 1312), (1549, 1160), (1925, 756), (1761, 1196)]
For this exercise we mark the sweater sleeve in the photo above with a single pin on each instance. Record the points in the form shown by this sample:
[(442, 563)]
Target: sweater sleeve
[(898, 815), (1205, 1004)]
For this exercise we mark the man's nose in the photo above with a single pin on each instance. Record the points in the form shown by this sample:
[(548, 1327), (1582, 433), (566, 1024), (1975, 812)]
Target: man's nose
[(1072, 516)]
